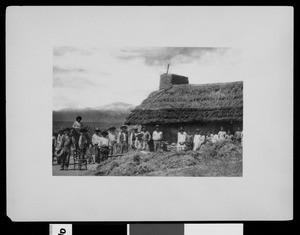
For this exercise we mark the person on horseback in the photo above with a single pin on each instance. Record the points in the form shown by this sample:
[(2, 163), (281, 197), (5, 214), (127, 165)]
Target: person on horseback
[(75, 132)]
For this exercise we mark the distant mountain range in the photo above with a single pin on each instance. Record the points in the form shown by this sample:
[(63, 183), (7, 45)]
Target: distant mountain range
[(114, 112)]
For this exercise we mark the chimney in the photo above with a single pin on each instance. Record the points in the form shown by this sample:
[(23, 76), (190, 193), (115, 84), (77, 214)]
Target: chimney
[(168, 80)]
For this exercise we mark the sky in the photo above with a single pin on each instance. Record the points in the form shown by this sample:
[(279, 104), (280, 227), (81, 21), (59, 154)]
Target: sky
[(94, 76)]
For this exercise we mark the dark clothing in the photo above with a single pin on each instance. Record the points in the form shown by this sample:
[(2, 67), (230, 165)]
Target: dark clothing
[(84, 144), (124, 147), (97, 154), (66, 145), (104, 151), (65, 159)]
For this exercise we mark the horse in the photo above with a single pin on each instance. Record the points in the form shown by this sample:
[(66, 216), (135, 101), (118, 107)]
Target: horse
[(75, 137)]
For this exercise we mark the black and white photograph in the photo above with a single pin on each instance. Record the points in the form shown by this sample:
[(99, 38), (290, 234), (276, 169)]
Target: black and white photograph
[(152, 111), (138, 113)]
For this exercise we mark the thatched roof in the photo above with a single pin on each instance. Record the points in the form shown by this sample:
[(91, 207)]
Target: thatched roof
[(191, 103)]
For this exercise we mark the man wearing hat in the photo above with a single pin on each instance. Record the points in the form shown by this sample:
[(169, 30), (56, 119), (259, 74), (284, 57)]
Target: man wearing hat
[(221, 134), (181, 139), (77, 124), (238, 134), (59, 136), (157, 137), (189, 141), (66, 146), (133, 137), (104, 145), (145, 139), (84, 142), (112, 136), (95, 142), (58, 144), (123, 139), (75, 132)]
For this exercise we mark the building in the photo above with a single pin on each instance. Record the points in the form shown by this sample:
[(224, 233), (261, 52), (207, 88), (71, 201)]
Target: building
[(180, 104)]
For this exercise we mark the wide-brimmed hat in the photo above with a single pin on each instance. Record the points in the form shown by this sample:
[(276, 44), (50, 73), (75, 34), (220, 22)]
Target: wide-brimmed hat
[(105, 133), (67, 129), (181, 129), (58, 152), (197, 129), (112, 128), (135, 127), (78, 117), (97, 129), (157, 126), (61, 129), (123, 127)]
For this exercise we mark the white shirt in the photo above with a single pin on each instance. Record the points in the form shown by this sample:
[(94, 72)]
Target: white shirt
[(157, 135), (76, 125), (198, 138), (123, 135), (221, 134), (59, 139), (112, 137), (95, 139), (146, 135), (103, 141), (181, 137)]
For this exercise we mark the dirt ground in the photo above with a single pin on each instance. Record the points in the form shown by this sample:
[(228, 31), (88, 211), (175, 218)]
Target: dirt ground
[(91, 168)]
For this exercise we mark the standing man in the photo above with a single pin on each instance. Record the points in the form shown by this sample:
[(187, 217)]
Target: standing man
[(112, 136), (157, 137), (198, 140), (59, 136), (138, 143), (221, 134), (104, 145), (215, 137), (189, 141), (208, 137), (145, 139), (66, 145), (133, 137), (123, 139), (238, 135), (229, 136), (181, 139), (95, 142)]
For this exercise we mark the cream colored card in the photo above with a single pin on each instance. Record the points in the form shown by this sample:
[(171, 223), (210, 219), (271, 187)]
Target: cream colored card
[(264, 192)]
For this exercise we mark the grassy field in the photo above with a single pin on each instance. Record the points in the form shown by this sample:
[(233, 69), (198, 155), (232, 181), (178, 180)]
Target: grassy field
[(221, 159)]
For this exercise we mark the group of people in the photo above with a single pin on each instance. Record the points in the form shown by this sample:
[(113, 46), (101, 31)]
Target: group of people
[(186, 141), (112, 142), (103, 142)]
